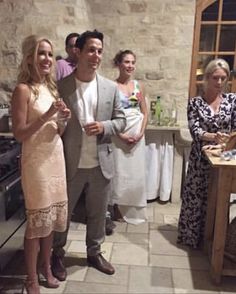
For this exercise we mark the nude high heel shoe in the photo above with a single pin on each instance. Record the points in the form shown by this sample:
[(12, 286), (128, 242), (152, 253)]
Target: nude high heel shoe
[(31, 286), (51, 281)]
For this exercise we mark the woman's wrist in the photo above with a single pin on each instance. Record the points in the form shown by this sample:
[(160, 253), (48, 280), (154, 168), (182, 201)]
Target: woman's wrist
[(42, 119), (209, 136)]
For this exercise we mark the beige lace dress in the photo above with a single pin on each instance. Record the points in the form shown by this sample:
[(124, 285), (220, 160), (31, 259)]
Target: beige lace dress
[(43, 172)]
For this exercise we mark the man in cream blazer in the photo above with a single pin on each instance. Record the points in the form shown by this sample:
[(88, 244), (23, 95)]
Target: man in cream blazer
[(96, 115)]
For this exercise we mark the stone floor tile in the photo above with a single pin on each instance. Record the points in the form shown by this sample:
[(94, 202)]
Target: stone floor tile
[(150, 212), (77, 247), (131, 254), (171, 219), (141, 228), (71, 258), (164, 242), (121, 227), (76, 272), (150, 280), (82, 227), (119, 278), (186, 281), (158, 217), (77, 226), (106, 249), (133, 238), (166, 227), (184, 262), (154, 226), (146, 258), (76, 235), (74, 226), (82, 287), (167, 208), (59, 290)]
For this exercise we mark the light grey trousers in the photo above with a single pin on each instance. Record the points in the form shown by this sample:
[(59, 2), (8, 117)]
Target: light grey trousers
[(97, 189)]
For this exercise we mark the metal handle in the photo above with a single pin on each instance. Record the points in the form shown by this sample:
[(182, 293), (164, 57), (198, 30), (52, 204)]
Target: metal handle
[(8, 187)]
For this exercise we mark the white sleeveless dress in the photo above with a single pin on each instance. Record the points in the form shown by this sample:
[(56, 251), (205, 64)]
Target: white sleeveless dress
[(128, 184)]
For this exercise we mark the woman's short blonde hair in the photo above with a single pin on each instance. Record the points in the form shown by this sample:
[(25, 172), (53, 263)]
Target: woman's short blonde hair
[(212, 66)]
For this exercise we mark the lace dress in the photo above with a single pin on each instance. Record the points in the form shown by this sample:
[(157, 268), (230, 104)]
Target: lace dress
[(201, 119), (129, 190), (43, 172)]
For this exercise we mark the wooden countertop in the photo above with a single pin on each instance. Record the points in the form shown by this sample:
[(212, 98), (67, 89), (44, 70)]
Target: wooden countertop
[(217, 161)]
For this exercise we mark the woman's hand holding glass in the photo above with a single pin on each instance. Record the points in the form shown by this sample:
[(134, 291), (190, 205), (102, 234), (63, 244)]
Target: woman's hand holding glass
[(63, 113)]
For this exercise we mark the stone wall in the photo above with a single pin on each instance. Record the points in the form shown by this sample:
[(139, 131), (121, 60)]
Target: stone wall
[(160, 32)]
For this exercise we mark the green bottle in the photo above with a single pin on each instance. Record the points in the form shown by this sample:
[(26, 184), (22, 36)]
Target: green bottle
[(158, 110)]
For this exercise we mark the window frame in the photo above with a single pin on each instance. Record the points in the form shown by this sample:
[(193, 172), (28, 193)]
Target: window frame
[(201, 5)]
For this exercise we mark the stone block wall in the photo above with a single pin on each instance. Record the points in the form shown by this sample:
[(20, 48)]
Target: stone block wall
[(160, 32)]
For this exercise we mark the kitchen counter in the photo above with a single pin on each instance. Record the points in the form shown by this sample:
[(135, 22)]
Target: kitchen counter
[(163, 128)]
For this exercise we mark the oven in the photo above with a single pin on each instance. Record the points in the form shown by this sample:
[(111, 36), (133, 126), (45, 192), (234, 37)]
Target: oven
[(12, 215)]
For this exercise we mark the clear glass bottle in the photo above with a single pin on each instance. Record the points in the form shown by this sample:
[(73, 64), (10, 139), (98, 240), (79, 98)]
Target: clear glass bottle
[(173, 113)]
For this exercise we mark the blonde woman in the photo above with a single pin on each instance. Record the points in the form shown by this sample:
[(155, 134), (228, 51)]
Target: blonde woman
[(210, 117), (35, 112)]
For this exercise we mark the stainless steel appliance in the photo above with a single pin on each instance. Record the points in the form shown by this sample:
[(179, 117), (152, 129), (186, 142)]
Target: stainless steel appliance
[(12, 215)]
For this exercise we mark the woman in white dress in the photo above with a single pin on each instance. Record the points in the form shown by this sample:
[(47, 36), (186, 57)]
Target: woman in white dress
[(128, 195)]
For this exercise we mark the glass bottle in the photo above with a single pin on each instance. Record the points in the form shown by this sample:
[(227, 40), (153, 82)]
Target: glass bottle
[(173, 113), (158, 110)]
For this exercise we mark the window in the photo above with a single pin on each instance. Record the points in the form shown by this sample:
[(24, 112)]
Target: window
[(215, 37)]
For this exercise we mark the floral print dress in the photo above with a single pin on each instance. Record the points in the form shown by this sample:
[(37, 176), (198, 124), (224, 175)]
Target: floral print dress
[(201, 118)]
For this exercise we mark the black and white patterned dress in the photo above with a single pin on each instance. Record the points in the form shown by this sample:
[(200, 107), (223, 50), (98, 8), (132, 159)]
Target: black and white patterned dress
[(201, 118)]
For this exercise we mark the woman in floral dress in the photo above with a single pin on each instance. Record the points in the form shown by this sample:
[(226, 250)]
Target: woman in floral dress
[(211, 118)]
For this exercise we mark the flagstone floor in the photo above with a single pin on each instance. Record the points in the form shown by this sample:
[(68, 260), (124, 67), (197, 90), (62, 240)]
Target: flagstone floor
[(146, 259)]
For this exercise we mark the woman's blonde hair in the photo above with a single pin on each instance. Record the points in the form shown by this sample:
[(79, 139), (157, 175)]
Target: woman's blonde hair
[(212, 66), (30, 48)]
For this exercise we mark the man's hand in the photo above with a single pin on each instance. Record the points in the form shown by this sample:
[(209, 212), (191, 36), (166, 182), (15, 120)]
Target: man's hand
[(94, 128)]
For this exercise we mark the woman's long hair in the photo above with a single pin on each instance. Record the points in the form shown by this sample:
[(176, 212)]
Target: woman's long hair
[(28, 70)]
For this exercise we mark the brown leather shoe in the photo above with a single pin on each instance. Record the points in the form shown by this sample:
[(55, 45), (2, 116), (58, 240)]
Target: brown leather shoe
[(58, 268), (101, 264)]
